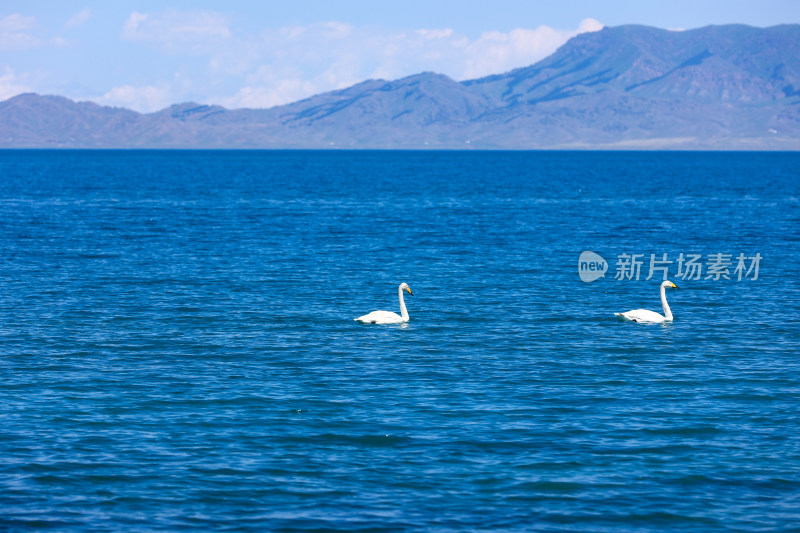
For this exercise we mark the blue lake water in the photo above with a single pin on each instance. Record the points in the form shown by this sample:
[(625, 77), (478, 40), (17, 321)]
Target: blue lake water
[(178, 350)]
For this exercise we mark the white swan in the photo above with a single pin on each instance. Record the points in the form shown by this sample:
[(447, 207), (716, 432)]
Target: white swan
[(387, 317), (643, 315)]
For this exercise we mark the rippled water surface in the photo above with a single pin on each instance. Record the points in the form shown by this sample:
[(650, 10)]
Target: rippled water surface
[(178, 350)]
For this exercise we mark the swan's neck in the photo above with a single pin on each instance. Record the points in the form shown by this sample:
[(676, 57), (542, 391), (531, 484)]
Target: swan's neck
[(403, 310), (665, 305)]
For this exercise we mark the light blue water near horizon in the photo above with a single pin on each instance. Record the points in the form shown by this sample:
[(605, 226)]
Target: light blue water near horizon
[(178, 350)]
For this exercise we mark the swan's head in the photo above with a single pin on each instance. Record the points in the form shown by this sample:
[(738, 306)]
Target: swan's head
[(669, 285), (405, 287)]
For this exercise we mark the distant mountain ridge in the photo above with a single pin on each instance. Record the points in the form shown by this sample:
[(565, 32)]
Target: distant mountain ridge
[(627, 87)]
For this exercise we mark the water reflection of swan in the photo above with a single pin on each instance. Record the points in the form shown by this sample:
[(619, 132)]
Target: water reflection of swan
[(643, 315), (387, 317)]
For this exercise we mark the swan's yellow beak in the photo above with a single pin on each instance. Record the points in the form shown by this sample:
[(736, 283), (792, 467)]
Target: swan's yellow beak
[(674, 286), (408, 290)]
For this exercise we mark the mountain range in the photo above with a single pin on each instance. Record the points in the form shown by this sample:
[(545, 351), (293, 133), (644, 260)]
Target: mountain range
[(625, 87)]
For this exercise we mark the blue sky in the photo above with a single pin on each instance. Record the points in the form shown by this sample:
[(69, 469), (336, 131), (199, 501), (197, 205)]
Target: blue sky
[(146, 55)]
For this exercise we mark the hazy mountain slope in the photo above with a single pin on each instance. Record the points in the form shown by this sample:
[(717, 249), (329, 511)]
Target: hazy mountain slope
[(32, 120), (712, 86), (729, 63), (632, 86)]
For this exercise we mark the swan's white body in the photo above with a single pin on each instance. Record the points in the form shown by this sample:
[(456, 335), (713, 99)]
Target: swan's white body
[(387, 317), (644, 315)]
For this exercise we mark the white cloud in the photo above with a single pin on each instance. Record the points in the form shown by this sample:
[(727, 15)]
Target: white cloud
[(178, 30), (20, 32), (17, 33), (280, 92), (589, 25), (219, 65), (277, 84), (16, 23), (218, 62), (144, 99), (496, 52), (79, 19), (435, 34), (334, 30), (292, 63), (11, 85), (59, 42)]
